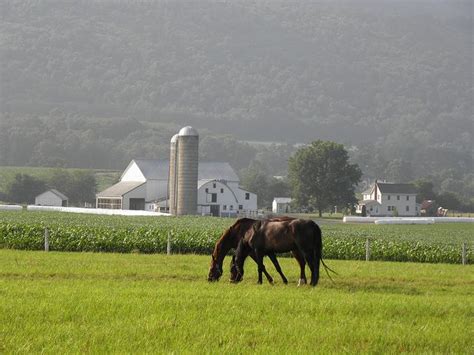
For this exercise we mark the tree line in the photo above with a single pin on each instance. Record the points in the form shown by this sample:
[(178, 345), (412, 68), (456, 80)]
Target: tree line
[(79, 186)]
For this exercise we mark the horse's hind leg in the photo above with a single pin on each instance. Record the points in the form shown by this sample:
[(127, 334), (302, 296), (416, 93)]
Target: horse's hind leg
[(261, 267), (301, 261), (310, 259), (273, 258)]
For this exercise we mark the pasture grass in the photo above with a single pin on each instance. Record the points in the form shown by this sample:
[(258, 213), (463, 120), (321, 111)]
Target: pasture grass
[(91, 302)]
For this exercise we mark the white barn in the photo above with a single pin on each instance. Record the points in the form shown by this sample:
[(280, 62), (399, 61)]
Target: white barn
[(144, 186), (388, 199), (51, 198)]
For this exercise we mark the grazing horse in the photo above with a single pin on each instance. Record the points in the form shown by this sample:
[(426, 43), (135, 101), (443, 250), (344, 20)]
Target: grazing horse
[(270, 237), (230, 240)]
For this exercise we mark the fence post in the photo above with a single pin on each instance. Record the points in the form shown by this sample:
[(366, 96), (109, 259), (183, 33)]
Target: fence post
[(46, 239), (464, 261), (168, 244), (367, 249)]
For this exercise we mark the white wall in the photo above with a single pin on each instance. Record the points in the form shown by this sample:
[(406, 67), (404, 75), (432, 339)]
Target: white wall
[(48, 199), (139, 192), (251, 203), (280, 207), (229, 199), (132, 173), (156, 189), (400, 204)]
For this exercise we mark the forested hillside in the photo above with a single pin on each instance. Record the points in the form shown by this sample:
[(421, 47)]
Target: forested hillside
[(95, 83)]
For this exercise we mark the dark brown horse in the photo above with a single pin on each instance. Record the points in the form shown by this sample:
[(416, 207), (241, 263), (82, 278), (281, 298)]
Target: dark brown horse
[(296, 235), (230, 240)]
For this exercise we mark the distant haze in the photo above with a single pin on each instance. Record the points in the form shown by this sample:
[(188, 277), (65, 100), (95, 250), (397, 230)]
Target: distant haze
[(393, 76)]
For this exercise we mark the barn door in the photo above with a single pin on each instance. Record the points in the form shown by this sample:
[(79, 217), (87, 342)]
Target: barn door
[(137, 203), (215, 210)]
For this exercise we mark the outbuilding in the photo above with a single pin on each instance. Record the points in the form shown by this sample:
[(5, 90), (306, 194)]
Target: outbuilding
[(281, 205), (51, 198)]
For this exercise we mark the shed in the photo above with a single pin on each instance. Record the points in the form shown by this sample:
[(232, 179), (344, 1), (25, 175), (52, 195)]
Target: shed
[(281, 205), (51, 198)]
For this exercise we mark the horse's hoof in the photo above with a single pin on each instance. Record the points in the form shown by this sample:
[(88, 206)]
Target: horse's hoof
[(301, 282)]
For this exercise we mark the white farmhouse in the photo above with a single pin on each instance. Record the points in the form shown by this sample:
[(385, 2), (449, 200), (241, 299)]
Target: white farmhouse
[(51, 198), (144, 186), (281, 205), (389, 199)]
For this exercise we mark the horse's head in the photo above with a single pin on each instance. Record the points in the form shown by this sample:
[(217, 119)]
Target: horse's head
[(220, 250), (215, 270)]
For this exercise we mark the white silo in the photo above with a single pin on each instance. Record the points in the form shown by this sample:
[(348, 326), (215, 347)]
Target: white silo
[(187, 171), (172, 181)]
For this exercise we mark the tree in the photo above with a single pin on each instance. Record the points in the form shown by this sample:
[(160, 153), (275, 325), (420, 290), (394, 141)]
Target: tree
[(322, 177), (78, 186), (24, 188), (424, 189), (449, 200)]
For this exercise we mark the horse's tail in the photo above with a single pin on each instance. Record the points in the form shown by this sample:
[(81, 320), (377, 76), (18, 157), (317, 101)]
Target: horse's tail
[(318, 253)]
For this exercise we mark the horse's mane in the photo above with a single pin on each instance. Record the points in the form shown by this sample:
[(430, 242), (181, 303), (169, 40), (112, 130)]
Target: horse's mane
[(224, 237)]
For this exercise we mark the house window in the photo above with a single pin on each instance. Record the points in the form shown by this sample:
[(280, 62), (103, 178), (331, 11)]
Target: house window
[(241, 207), (224, 207), (408, 198), (213, 197), (247, 196), (207, 190), (231, 207), (222, 191), (408, 208), (398, 197), (388, 198), (389, 208), (214, 185)]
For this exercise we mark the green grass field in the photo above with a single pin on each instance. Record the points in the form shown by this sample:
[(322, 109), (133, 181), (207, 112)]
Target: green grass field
[(85, 302)]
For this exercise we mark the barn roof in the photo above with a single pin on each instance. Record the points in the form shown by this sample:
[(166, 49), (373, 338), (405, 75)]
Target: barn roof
[(154, 169), (120, 188)]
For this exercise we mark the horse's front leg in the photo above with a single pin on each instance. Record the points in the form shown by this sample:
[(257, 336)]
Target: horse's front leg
[(264, 269), (273, 258)]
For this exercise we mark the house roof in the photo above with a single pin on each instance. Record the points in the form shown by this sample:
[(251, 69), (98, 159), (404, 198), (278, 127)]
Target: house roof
[(59, 194), (120, 189), (56, 192), (396, 188), (282, 199), (154, 169), (368, 191), (369, 202)]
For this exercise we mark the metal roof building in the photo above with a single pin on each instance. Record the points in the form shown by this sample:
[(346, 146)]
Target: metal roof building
[(144, 186)]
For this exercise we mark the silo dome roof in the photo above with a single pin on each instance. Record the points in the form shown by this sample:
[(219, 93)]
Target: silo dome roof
[(174, 138), (188, 131)]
